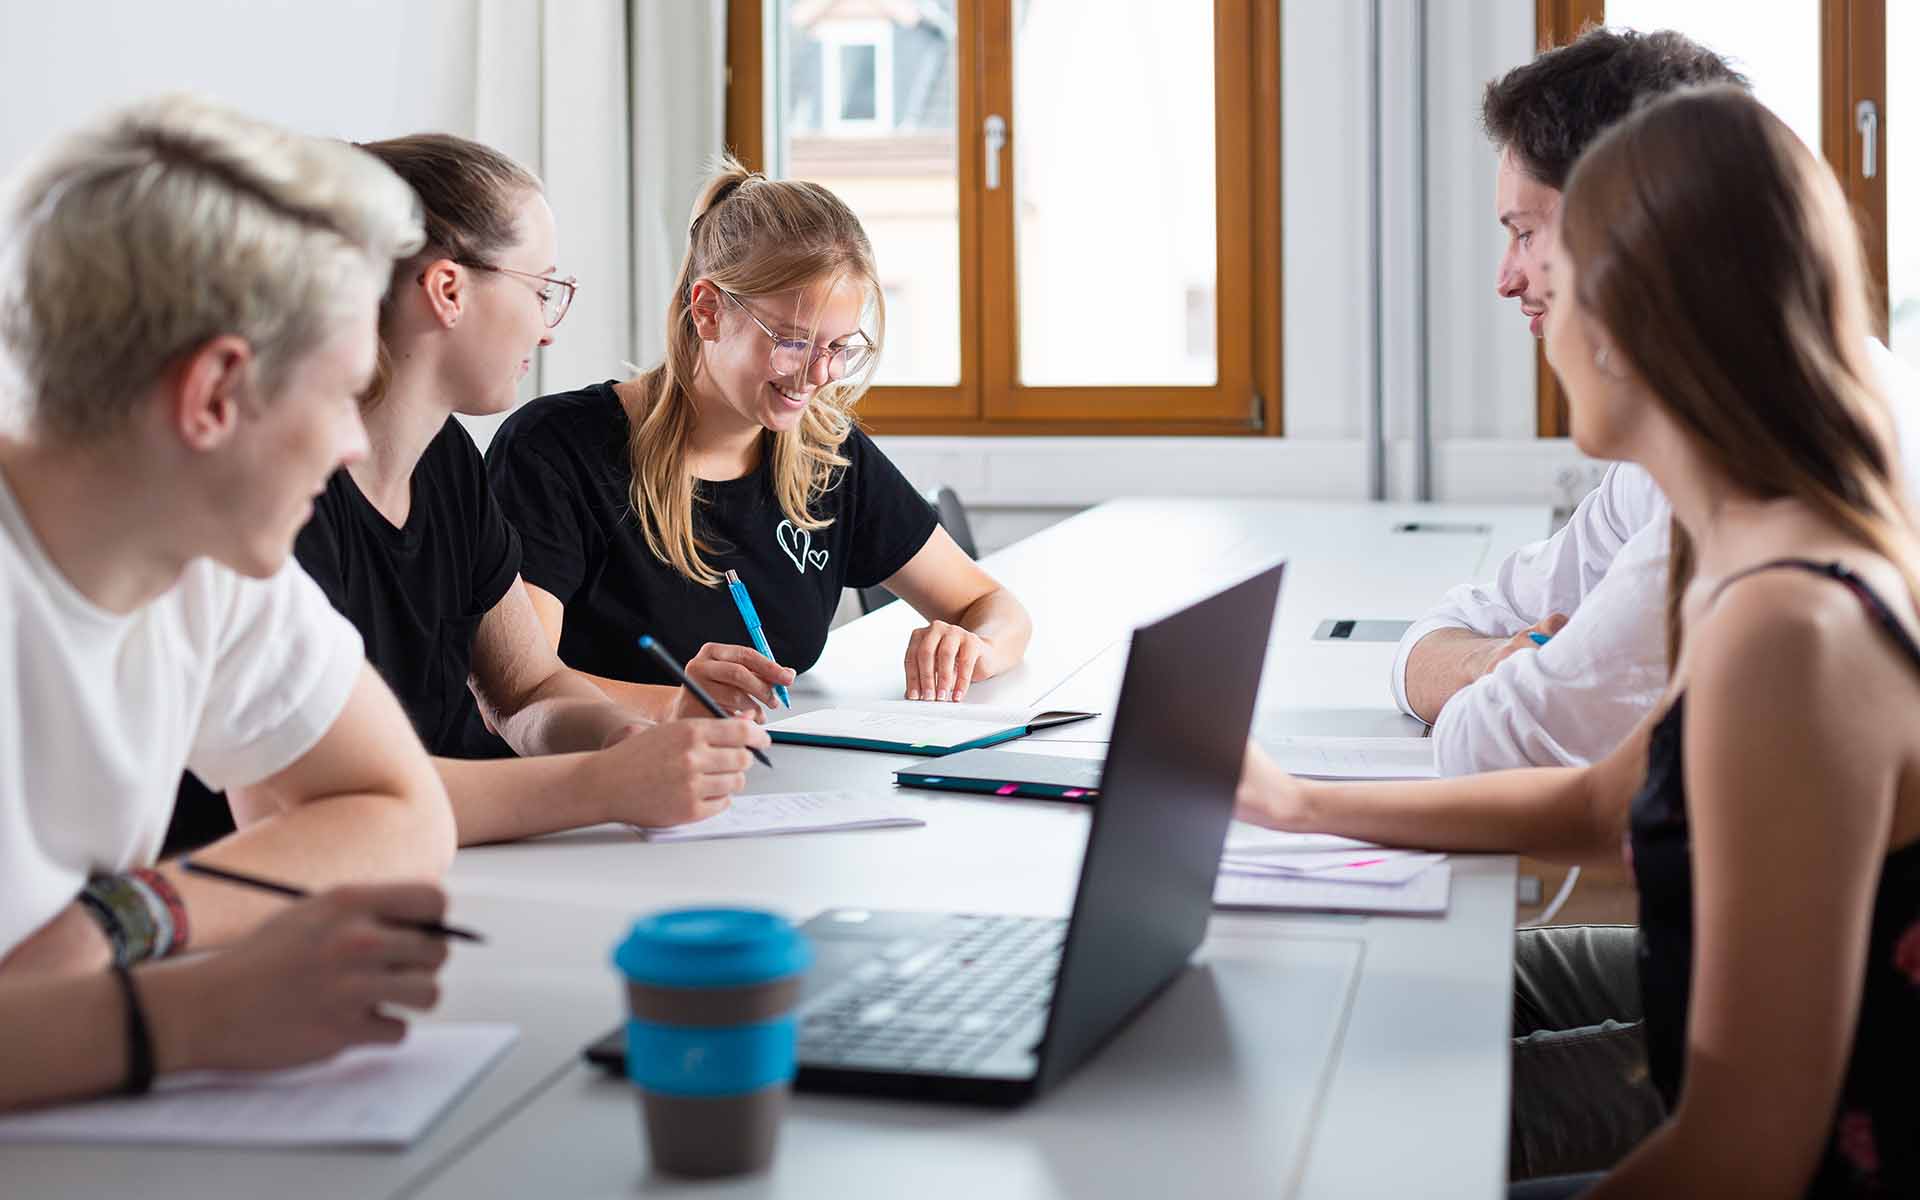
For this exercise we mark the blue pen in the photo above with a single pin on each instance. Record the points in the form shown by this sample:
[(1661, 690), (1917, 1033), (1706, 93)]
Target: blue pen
[(1540, 639), (744, 603)]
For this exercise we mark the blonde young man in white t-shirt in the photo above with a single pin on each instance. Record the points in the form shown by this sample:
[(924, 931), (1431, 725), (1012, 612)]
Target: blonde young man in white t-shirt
[(187, 310)]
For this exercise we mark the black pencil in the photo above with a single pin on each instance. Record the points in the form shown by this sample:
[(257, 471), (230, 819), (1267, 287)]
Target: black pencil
[(288, 890), (699, 693)]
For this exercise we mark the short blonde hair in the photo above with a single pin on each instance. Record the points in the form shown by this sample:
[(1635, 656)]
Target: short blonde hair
[(172, 222)]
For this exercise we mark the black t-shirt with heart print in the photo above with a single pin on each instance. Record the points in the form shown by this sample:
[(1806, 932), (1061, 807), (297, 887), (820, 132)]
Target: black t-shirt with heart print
[(560, 469)]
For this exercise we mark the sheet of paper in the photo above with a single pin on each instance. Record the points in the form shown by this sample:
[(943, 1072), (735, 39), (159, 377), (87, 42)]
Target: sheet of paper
[(1369, 867), (1425, 894), (775, 813), (366, 1096), (1244, 839), (1317, 757)]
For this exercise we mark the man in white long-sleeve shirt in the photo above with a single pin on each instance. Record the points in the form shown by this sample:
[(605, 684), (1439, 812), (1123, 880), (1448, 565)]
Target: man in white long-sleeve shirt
[(1598, 587)]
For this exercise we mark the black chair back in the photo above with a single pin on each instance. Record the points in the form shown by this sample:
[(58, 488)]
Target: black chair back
[(953, 518)]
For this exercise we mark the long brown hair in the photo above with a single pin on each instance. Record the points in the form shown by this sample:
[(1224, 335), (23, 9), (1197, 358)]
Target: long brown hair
[(1719, 255), (467, 192), (753, 236)]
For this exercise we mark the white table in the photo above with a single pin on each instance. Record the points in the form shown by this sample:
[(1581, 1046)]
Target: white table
[(1226, 1086)]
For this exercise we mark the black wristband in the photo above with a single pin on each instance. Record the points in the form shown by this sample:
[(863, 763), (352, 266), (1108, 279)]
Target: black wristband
[(139, 1079)]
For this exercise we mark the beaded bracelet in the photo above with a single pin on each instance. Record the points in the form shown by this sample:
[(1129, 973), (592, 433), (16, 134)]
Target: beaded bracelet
[(164, 898), (140, 912), (123, 916)]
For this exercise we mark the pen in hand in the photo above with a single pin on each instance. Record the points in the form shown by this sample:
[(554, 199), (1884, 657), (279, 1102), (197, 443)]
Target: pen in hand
[(695, 690), (226, 875), (755, 630)]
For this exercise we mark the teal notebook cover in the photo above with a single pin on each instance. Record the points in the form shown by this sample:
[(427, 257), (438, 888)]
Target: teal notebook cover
[(806, 737)]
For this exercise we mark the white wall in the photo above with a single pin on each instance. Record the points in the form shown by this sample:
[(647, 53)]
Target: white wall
[(372, 68), (357, 69)]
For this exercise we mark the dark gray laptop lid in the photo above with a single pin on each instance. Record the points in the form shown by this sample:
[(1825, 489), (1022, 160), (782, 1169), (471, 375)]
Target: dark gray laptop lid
[(1146, 883)]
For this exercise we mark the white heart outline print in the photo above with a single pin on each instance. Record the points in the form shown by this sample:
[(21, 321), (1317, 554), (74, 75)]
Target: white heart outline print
[(797, 544)]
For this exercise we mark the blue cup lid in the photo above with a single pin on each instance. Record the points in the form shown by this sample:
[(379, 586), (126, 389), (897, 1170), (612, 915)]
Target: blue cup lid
[(712, 947)]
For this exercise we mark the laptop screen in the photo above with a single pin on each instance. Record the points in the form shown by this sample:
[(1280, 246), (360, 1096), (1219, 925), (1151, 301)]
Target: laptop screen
[(1146, 882)]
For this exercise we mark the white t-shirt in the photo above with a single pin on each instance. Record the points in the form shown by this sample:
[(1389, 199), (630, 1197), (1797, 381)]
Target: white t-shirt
[(232, 676), (1577, 697)]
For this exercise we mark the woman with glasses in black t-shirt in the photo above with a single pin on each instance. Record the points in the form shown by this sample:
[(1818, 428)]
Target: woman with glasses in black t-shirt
[(409, 544), (738, 454)]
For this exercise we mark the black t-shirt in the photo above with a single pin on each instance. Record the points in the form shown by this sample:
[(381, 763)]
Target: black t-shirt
[(561, 471), (417, 593)]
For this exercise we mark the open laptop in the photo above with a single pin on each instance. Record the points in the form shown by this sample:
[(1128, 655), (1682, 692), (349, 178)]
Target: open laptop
[(996, 1009)]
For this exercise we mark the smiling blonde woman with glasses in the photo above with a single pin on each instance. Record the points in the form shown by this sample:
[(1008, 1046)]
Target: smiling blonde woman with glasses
[(738, 454), (411, 546)]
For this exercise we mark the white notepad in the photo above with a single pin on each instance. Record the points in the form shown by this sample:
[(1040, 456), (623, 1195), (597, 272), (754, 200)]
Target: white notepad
[(1425, 894), (384, 1096), (1353, 758), (792, 812), (1348, 867), (1245, 839)]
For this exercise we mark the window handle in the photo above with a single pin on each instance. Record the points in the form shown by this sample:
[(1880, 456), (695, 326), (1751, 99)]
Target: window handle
[(996, 134), (1866, 118)]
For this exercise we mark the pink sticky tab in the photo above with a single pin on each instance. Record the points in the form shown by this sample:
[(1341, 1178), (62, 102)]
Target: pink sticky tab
[(1074, 793), (1007, 789)]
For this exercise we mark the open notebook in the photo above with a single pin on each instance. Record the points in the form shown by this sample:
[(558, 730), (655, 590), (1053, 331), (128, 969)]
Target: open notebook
[(916, 726), (383, 1096)]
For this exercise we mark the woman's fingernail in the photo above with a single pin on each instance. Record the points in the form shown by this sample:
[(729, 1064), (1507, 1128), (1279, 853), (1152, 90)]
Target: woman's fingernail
[(913, 693), (946, 695)]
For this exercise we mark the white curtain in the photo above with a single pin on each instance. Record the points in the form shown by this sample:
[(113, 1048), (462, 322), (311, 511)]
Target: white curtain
[(679, 91), (619, 105)]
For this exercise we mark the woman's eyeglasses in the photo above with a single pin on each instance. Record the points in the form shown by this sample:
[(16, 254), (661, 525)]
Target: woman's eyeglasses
[(556, 297), (796, 356)]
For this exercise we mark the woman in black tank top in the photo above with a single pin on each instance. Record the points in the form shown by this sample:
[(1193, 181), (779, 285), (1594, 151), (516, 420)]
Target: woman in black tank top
[(1706, 315)]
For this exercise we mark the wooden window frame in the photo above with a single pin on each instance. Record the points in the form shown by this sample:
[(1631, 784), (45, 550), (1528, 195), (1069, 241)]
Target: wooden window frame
[(989, 399), (1853, 67)]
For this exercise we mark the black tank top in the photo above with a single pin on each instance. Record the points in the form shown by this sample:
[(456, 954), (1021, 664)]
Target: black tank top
[(1873, 1148)]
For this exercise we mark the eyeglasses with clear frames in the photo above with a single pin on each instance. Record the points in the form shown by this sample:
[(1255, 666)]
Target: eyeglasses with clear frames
[(796, 356), (555, 298)]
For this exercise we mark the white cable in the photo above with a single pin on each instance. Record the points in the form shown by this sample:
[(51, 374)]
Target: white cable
[(1559, 899)]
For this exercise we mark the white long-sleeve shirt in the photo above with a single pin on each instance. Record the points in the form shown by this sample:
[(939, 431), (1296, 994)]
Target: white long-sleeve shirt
[(1574, 699)]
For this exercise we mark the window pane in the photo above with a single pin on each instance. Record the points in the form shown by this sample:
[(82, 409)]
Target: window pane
[(1775, 45), (856, 82), (1901, 142), (868, 110), (1114, 188)]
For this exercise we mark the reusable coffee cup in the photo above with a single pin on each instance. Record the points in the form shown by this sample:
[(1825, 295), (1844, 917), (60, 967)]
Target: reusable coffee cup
[(710, 1033)]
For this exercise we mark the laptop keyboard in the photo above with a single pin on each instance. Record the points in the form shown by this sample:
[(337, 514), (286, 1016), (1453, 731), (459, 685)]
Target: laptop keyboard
[(941, 1002)]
